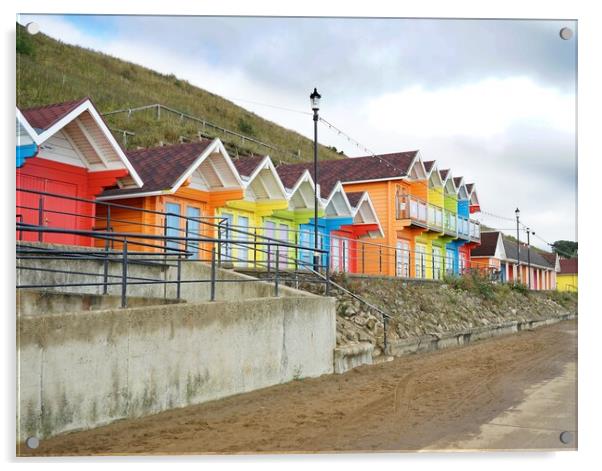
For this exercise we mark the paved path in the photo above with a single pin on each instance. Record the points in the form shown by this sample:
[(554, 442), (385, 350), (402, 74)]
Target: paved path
[(510, 392), (548, 410)]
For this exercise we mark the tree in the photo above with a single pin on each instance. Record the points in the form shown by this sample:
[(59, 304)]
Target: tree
[(565, 248)]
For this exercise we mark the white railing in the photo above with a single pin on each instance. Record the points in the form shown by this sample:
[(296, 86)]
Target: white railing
[(435, 217), (410, 207), (450, 223), (463, 227), (475, 230)]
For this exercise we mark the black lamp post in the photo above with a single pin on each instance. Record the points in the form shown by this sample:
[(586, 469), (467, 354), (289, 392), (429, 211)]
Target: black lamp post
[(315, 106), (517, 212), (529, 233)]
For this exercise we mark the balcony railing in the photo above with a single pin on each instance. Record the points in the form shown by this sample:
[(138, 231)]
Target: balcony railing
[(410, 207), (475, 230), (435, 217), (450, 226), (463, 227)]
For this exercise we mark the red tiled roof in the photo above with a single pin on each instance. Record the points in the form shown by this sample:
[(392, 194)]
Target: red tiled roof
[(43, 117), (246, 165), (378, 167), (290, 174), (568, 266), (354, 197), (161, 167)]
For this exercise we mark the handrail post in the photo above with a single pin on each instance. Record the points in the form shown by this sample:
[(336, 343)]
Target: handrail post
[(40, 217), (179, 276), (363, 258), (219, 243), (327, 287), (105, 287), (212, 286), (380, 259), (433, 263), (296, 251), (255, 248), (124, 274), (277, 271), (165, 233), (385, 323), (186, 238), (269, 257)]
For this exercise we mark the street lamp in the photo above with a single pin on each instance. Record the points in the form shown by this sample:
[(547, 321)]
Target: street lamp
[(517, 212), (529, 233), (529, 256), (315, 106)]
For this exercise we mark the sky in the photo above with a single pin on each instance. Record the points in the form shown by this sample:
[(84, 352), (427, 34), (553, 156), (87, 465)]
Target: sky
[(494, 100)]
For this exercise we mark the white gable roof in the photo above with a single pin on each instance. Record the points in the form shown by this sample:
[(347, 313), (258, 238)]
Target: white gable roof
[(89, 137), (303, 192), (365, 213), (337, 204), (264, 182)]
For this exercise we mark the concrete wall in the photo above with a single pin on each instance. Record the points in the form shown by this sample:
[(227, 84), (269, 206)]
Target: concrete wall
[(82, 370), (32, 302)]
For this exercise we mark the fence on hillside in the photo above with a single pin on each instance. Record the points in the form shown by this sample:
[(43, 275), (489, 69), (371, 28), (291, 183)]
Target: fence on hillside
[(203, 125)]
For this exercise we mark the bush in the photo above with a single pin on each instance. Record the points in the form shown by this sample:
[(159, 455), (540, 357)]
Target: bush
[(246, 127), (24, 43), (565, 299), (128, 73), (475, 283), (520, 288)]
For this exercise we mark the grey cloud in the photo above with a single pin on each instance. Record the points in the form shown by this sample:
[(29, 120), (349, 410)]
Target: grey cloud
[(366, 56)]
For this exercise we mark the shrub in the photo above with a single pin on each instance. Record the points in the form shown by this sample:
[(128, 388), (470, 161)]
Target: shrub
[(474, 283), (245, 127), (565, 299), (24, 43), (520, 288), (128, 73)]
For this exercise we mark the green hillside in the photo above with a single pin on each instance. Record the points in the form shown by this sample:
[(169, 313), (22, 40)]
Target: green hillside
[(49, 71)]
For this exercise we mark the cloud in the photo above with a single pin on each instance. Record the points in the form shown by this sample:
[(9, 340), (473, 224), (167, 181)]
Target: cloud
[(492, 99), (485, 109)]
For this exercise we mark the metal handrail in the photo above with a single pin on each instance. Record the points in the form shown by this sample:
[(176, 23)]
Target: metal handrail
[(384, 315)]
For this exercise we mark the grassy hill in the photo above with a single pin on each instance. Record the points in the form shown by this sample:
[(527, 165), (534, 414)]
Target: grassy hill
[(49, 71)]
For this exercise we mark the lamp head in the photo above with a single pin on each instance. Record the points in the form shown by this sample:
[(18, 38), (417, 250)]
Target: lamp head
[(315, 100)]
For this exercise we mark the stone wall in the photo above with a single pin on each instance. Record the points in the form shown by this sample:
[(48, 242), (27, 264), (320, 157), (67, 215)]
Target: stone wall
[(83, 370)]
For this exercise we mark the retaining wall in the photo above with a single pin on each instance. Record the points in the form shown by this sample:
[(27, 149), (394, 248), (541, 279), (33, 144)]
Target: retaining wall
[(352, 356), (33, 302), (82, 370)]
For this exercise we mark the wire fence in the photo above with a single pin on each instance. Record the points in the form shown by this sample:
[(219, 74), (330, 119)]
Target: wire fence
[(203, 126)]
